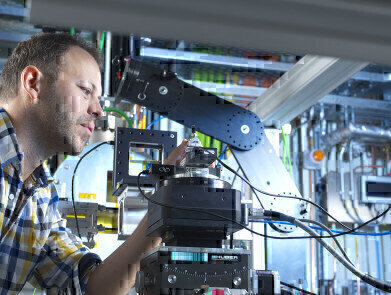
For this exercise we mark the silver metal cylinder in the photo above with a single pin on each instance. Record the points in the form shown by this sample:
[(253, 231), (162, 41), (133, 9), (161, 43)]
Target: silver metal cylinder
[(106, 81)]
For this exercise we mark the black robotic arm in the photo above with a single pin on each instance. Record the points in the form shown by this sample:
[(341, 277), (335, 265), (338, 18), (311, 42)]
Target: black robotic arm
[(162, 92)]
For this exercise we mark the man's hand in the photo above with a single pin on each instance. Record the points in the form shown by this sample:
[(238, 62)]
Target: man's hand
[(117, 273), (177, 155)]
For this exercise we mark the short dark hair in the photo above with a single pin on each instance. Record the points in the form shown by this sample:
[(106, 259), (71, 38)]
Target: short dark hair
[(44, 51)]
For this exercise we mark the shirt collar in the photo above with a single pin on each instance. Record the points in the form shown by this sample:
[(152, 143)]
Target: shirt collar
[(10, 152)]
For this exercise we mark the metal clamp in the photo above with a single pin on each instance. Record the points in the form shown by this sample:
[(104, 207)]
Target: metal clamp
[(142, 95)]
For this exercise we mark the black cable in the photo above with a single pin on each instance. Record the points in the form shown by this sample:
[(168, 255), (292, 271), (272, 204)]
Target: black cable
[(280, 196), (233, 180), (73, 180), (272, 214), (361, 225), (330, 233), (296, 288), (378, 283)]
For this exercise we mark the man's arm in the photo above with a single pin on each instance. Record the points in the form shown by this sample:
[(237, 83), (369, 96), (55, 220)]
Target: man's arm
[(116, 275)]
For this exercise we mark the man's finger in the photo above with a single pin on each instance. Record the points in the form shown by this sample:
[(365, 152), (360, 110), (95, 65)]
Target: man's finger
[(177, 154)]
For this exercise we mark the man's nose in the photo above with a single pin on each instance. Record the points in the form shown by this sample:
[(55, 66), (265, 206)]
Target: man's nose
[(95, 109)]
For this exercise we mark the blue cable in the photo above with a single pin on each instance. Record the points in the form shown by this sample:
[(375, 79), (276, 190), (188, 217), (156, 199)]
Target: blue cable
[(335, 231), (154, 121), (223, 152)]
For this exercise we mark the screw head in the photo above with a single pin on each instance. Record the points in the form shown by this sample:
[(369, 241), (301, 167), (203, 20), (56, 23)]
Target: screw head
[(237, 281), (245, 129), (163, 90), (172, 135), (172, 279)]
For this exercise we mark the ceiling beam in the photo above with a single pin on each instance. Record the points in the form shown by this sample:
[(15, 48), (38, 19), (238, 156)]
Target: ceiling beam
[(310, 79), (357, 30)]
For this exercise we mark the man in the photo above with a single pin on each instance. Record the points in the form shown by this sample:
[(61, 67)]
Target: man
[(49, 98)]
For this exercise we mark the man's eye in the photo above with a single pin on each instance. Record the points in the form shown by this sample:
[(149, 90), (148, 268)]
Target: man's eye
[(86, 91)]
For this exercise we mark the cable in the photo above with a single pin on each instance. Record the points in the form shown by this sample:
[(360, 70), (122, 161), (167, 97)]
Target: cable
[(73, 181), (353, 229), (332, 230), (154, 121), (266, 212), (280, 216), (361, 225), (200, 210), (280, 196), (321, 225), (233, 180), (296, 288), (377, 283)]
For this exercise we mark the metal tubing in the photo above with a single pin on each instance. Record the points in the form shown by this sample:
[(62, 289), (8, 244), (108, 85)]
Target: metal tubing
[(352, 190), (341, 173), (106, 82), (359, 133)]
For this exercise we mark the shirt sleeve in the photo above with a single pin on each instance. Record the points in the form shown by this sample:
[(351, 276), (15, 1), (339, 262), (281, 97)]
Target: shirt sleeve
[(65, 264)]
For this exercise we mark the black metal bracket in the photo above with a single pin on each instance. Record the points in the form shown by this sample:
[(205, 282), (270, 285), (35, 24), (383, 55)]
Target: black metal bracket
[(165, 141)]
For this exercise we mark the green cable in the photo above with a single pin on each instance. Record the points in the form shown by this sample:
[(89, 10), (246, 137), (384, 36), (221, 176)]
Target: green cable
[(35, 290), (217, 144), (122, 113), (289, 159), (72, 32), (283, 148), (287, 153), (102, 40)]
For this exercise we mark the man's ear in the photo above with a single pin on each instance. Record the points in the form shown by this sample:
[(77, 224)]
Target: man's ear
[(32, 82)]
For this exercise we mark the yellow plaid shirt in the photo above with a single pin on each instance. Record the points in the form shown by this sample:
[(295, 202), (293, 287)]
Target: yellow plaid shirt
[(35, 246)]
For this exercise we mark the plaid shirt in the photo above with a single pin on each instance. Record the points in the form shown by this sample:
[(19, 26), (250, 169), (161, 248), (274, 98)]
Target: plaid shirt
[(35, 246)]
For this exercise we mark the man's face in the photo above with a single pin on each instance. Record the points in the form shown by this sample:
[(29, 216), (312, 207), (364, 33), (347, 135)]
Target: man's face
[(72, 102)]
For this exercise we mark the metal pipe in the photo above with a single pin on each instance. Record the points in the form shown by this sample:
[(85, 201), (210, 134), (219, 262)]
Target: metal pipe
[(362, 133), (387, 159), (346, 116), (353, 115), (323, 122), (342, 182), (341, 173), (374, 171), (352, 191), (107, 75)]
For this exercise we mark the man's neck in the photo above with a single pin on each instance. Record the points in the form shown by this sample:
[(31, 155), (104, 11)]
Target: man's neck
[(29, 139)]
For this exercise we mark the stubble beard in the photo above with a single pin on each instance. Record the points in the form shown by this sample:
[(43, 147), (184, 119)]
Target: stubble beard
[(62, 126)]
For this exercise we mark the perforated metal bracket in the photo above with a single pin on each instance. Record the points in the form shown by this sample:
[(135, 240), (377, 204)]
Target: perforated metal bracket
[(164, 141)]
